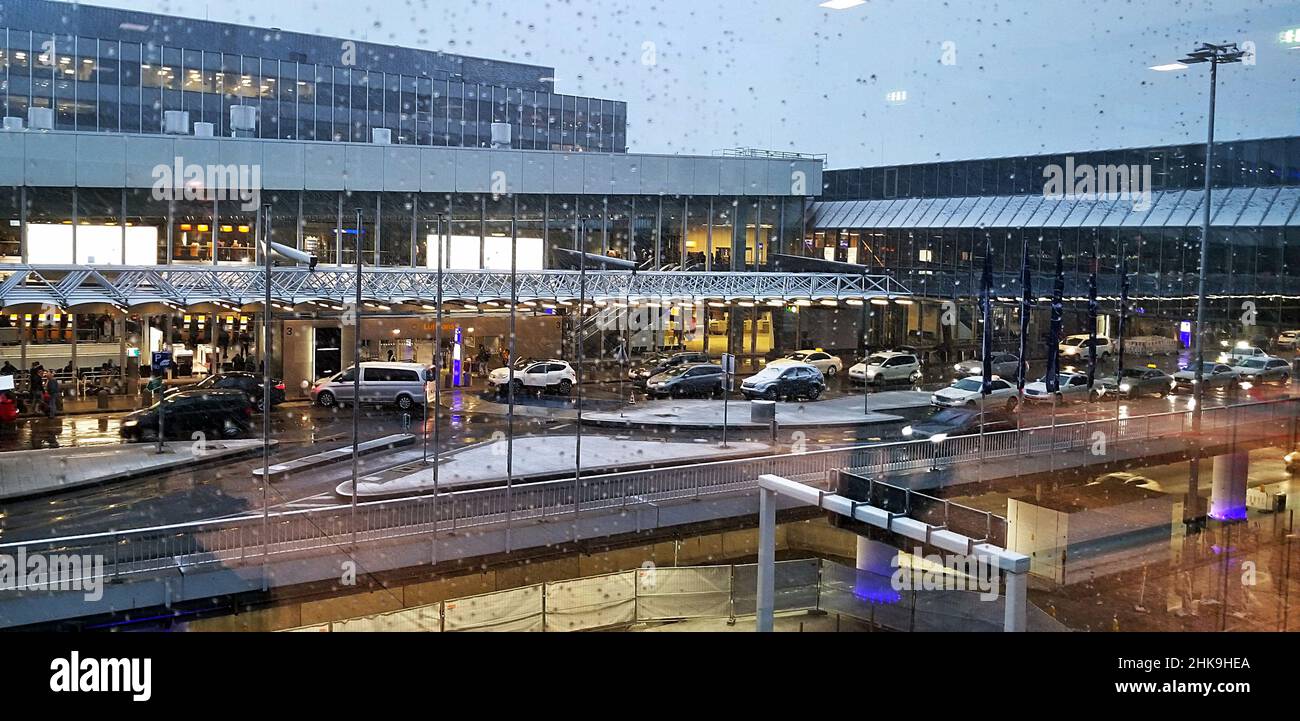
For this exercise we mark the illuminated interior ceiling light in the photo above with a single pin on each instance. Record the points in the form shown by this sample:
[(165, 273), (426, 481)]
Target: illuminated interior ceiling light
[(880, 301), (903, 301), (830, 302), (841, 4), (1167, 67), (855, 302), (896, 96)]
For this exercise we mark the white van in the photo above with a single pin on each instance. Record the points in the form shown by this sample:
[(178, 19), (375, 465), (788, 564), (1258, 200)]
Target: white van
[(404, 385)]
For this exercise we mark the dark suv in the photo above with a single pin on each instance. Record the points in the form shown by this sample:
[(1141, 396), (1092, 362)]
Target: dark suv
[(216, 413), (249, 383), (791, 381)]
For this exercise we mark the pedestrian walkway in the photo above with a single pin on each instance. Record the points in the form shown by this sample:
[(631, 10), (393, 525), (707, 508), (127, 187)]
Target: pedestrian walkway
[(843, 411), (539, 457), (29, 473)]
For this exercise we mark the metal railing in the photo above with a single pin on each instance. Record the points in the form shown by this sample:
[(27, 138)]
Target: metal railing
[(234, 540)]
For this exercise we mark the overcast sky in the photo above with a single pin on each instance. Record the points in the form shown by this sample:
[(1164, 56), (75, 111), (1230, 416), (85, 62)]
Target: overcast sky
[(1030, 75)]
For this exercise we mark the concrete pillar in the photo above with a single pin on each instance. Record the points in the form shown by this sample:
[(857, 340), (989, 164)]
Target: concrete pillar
[(348, 338), (766, 559), (1228, 492), (1017, 598)]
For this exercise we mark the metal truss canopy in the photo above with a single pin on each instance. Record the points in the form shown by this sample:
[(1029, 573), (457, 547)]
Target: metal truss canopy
[(69, 286)]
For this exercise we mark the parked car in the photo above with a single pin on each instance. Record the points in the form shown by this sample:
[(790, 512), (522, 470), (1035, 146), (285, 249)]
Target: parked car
[(217, 413), (1073, 387), (8, 409), (968, 392), (1004, 364), (887, 367), (1134, 382), (1288, 339), (1076, 346), (542, 375), (1292, 461), (1257, 370), (695, 379), (653, 365), (402, 384), (828, 364), (249, 383), (959, 422), (788, 381), (1216, 375)]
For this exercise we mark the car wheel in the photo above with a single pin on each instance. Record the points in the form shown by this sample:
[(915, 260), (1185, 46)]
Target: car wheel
[(814, 393), (518, 385), (970, 404), (326, 400), (1011, 405), (916, 376), (260, 405), (405, 403), (831, 371), (230, 429), (770, 395), (565, 386)]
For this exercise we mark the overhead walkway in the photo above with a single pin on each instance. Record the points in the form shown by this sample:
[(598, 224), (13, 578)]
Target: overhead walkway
[(128, 287)]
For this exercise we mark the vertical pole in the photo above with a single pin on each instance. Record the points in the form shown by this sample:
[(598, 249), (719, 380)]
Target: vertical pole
[(162, 389), (510, 413), (582, 315), (356, 384), (766, 559), (1198, 353), (265, 226), (440, 235), (1014, 614)]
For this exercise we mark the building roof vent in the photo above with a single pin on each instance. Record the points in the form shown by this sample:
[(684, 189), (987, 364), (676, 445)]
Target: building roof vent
[(501, 135), (176, 122), (381, 136), (243, 121), (40, 118)]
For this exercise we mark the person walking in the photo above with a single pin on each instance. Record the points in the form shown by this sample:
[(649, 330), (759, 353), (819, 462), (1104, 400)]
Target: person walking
[(36, 383), (51, 396)]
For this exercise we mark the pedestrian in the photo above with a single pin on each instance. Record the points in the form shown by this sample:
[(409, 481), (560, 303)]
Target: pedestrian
[(36, 382), (51, 396), (237, 363), (483, 358), (391, 356), (9, 369)]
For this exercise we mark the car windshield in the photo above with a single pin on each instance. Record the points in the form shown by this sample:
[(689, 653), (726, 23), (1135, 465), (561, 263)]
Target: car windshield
[(876, 360), (950, 417), (768, 373), (1131, 373), (797, 356), (967, 384), (206, 382), (1253, 363)]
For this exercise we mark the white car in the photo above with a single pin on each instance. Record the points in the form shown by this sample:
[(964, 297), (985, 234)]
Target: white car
[(1258, 370), (1076, 346), (1216, 375), (967, 393), (1073, 387), (1240, 353), (828, 364), (1289, 339), (886, 368), (538, 375)]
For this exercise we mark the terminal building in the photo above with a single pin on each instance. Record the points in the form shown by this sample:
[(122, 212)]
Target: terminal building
[(138, 149), (927, 225)]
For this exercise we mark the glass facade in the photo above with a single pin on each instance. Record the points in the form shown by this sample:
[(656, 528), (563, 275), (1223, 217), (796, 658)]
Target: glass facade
[(1266, 162), (105, 85), (115, 227)]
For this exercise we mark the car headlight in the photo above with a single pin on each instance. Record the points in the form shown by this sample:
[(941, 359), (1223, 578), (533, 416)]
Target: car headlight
[(907, 430), (957, 367), (1125, 387), (130, 424)]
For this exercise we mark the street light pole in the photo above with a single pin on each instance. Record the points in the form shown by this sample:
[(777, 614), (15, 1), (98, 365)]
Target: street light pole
[(1214, 55), (265, 227), (356, 384)]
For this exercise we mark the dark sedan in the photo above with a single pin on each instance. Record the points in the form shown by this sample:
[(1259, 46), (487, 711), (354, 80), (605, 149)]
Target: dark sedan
[(249, 383), (958, 422), (696, 379), (656, 364), (216, 413)]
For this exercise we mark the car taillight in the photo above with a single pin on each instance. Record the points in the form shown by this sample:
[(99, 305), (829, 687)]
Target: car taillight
[(280, 387), (248, 411)]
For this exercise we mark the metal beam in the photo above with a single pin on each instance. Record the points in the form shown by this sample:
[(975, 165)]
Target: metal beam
[(66, 285)]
